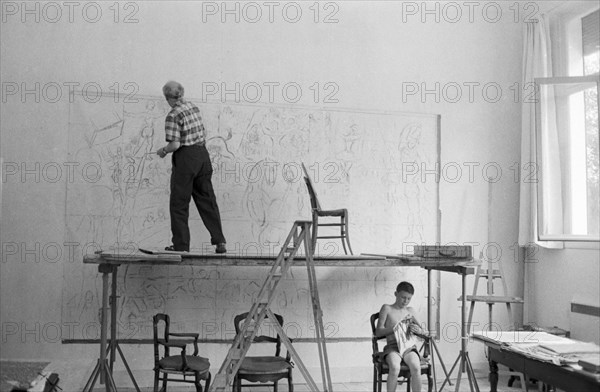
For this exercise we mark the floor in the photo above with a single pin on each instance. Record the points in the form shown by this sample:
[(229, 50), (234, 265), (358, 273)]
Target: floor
[(73, 378), (355, 387), (19, 374)]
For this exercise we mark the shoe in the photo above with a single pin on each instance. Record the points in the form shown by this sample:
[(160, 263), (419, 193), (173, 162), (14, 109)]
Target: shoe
[(221, 248), (171, 248)]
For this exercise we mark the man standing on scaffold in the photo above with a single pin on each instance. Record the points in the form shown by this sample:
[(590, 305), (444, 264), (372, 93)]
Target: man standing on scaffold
[(191, 173)]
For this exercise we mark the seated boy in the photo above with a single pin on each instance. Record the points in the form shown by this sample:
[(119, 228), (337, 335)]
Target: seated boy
[(398, 324)]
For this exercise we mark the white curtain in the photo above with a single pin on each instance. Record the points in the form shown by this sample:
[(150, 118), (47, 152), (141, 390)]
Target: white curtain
[(537, 63)]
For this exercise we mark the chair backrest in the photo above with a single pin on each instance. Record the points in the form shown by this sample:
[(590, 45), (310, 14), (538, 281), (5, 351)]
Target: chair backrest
[(241, 318), (155, 320), (375, 339), (314, 200)]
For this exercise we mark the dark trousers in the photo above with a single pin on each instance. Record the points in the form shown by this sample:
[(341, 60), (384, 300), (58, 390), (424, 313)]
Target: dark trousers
[(191, 178)]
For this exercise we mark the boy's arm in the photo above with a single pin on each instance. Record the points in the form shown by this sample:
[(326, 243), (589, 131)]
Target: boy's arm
[(380, 330)]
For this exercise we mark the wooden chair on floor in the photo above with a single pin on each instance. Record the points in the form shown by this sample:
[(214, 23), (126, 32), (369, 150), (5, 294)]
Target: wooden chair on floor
[(318, 212), (263, 369), (183, 365), (380, 366)]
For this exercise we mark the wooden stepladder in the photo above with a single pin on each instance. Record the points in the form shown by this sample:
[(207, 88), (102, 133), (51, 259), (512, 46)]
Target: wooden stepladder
[(491, 298), (260, 309)]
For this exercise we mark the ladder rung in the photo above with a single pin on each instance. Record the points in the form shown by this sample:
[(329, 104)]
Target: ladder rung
[(492, 299), (290, 249), (236, 355), (494, 274), (330, 236)]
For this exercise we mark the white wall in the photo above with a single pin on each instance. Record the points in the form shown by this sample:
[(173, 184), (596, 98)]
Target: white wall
[(558, 277), (371, 54)]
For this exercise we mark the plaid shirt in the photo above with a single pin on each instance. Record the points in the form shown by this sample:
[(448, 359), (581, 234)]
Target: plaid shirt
[(184, 125)]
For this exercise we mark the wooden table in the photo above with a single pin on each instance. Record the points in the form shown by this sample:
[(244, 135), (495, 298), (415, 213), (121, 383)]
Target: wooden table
[(563, 377)]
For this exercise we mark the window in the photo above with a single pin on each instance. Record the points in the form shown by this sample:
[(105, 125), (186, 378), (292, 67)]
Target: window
[(567, 143), (591, 66)]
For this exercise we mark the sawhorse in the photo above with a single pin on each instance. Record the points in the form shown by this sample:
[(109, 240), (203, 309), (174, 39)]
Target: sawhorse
[(103, 368)]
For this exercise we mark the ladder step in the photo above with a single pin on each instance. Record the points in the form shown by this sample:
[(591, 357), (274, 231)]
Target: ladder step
[(495, 274), (492, 299), (236, 355)]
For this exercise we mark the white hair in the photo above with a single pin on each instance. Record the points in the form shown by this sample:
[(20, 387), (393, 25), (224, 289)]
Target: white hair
[(173, 90)]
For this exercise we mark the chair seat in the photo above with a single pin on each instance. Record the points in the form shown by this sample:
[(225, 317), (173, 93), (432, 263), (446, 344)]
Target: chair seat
[(340, 212), (264, 365), (174, 362)]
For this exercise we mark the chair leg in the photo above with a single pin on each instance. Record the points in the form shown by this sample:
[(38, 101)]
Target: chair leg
[(275, 386), (237, 384), (315, 230), (374, 380), (156, 378), (164, 387), (290, 383), (343, 234), (207, 383), (347, 235), (197, 382), (429, 381)]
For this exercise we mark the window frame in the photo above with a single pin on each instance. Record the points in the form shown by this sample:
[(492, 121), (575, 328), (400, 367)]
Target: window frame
[(542, 236)]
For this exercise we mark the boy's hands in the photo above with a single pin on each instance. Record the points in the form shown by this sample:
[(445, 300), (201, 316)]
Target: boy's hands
[(415, 328)]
